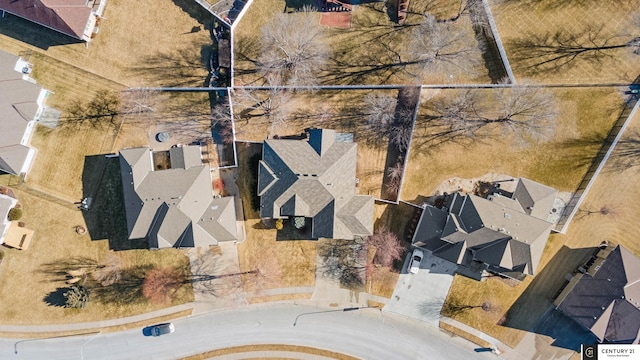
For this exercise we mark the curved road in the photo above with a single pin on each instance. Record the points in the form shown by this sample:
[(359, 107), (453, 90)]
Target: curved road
[(366, 333)]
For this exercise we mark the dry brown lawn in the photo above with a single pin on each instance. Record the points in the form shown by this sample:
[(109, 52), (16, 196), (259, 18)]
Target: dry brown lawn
[(283, 263), (293, 349), (343, 111), (522, 20), (521, 306), (382, 282), (586, 116), (59, 162), (136, 45), (373, 50), (24, 285), (468, 292)]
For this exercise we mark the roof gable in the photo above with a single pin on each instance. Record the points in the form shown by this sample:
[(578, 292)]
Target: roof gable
[(312, 178), (536, 199), (69, 17), (174, 207), (598, 302)]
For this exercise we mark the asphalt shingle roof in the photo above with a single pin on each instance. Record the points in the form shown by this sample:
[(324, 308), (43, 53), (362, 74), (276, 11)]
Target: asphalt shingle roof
[(18, 106), (607, 301), (69, 17), (314, 179), (174, 207), (497, 230)]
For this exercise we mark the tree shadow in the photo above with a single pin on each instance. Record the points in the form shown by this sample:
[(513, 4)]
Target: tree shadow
[(32, 33), (106, 217), (59, 269), (249, 155), (627, 152), (176, 69), (127, 290), (531, 311), (555, 51), (550, 4), (493, 61), (344, 261), (56, 298), (400, 137)]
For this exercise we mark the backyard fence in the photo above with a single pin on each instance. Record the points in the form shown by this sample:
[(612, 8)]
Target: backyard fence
[(570, 210)]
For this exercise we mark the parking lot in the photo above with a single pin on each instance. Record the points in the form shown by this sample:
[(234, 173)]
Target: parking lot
[(422, 295)]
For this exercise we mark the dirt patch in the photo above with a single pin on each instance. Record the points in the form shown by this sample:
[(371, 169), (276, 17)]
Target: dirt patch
[(340, 20)]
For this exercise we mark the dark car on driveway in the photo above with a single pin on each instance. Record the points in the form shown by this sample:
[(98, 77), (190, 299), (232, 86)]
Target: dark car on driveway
[(161, 329)]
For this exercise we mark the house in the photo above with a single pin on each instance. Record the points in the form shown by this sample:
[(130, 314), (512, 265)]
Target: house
[(21, 105), (12, 233), (604, 295), (74, 18), (168, 198), (315, 179), (504, 233)]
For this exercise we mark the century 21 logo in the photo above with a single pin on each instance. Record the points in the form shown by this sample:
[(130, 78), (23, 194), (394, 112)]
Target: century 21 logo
[(589, 352)]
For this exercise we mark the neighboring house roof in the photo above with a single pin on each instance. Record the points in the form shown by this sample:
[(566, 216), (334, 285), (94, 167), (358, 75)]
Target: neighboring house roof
[(18, 107), (69, 17), (507, 234), (315, 179), (606, 298), (174, 207)]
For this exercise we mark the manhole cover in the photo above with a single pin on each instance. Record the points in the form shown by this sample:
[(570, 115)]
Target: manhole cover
[(162, 136)]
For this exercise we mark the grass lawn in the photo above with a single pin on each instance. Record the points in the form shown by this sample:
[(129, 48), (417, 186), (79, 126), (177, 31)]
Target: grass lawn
[(520, 23), (25, 281), (521, 306), (373, 51), (57, 169), (343, 111), (284, 263), (136, 45), (586, 116), (615, 188)]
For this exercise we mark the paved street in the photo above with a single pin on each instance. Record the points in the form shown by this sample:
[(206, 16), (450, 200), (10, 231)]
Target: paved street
[(365, 333)]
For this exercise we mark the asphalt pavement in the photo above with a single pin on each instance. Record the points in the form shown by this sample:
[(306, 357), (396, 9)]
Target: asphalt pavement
[(366, 333)]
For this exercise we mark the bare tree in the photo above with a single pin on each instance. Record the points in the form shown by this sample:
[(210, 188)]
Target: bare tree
[(388, 247), (525, 112), (222, 122), (108, 271), (139, 101), (380, 111), (402, 129), (443, 47), (274, 105), (292, 50), (344, 260), (464, 7), (160, 284)]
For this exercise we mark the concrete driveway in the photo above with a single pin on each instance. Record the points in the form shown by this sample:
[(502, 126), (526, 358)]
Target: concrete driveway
[(214, 271), (421, 296)]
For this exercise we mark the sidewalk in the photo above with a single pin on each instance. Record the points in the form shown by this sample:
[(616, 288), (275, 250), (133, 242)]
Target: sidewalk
[(96, 324)]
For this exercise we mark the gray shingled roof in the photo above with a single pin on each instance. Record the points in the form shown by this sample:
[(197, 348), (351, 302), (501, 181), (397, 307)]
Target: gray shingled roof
[(174, 207), (497, 230), (314, 179), (18, 106), (69, 17), (608, 302)]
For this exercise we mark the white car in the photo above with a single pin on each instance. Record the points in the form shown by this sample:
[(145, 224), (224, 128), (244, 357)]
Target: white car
[(414, 263)]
